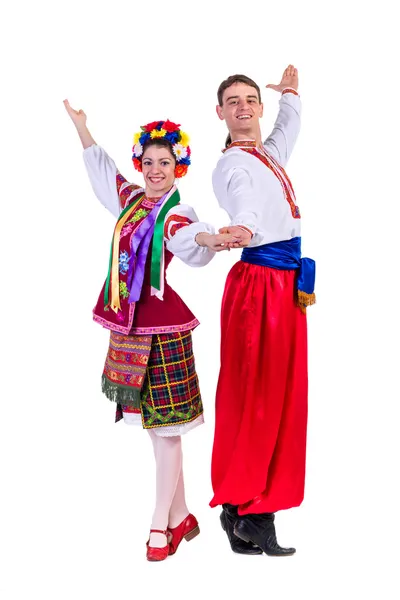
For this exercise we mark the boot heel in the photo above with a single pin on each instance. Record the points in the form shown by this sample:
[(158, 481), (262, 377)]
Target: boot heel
[(192, 534), (241, 535)]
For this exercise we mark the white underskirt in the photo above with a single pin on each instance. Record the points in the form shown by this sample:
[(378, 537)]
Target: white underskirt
[(169, 430)]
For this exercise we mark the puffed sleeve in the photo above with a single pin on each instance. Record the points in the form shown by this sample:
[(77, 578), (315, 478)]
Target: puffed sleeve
[(180, 229), (111, 188), (281, 141), (234, 190)]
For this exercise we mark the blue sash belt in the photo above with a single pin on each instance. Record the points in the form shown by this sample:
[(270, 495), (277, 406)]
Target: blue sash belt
[(286, 255)]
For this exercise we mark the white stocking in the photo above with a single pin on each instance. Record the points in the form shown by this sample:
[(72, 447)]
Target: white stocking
[(168, 455), (178, 510)]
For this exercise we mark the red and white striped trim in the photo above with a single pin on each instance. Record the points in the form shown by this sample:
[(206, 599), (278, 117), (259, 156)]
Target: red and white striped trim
[(284, 180)]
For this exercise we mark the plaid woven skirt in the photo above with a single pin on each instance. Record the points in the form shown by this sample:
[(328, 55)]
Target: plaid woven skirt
[(170, 394)]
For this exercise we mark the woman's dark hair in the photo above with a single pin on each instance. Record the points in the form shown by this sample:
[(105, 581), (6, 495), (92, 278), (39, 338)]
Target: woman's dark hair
[(158, 142), (227, 84)]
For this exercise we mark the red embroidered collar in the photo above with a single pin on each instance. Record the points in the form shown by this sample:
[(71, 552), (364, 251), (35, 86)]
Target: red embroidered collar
[(244, 144)]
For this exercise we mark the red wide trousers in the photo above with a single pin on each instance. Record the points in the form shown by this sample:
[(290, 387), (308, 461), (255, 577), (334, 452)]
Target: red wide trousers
[(259, 452)]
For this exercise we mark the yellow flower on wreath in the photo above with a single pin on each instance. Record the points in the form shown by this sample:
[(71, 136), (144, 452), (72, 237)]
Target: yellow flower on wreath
[(184, 139), (158, 133)]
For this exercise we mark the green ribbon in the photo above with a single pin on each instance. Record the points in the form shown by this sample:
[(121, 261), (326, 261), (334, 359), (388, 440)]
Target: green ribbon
[(158, 240), (107, 286)]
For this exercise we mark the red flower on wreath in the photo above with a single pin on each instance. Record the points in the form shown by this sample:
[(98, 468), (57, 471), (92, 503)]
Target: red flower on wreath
[(180, 171), (150, 126), (137, 164), (169, 126)]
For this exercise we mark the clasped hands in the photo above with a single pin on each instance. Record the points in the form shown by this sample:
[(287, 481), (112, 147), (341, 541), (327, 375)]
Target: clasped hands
[(229, 237)]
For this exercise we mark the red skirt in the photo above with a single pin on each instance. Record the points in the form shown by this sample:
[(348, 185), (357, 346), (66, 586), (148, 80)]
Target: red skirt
[(259, 452)]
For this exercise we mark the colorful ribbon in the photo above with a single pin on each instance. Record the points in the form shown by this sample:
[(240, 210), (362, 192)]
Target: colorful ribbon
[(112, 276), (157, 255), (152, 227)]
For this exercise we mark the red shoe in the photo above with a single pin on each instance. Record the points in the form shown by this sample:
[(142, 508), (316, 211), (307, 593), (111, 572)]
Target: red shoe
[(188, 529), (157, 553)]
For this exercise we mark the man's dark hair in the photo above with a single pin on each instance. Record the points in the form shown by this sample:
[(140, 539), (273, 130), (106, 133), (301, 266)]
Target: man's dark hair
[(227, 84), (236, 79)]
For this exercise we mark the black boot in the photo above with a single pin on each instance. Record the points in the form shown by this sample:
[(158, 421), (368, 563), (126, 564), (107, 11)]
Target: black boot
[(260, 530), (228, 518)]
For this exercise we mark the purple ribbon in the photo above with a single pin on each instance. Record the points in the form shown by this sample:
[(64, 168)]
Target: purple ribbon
[(139, 248)]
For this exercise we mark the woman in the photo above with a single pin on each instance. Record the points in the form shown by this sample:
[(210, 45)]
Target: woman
[(149, 370)]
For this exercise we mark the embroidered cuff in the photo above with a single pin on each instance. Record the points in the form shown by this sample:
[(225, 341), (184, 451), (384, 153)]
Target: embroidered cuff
[(290, 90)]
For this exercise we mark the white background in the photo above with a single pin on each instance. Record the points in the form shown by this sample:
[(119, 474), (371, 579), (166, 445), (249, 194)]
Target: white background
[(77, 490)]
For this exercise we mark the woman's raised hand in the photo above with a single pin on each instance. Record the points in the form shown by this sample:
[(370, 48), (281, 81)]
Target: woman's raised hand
[(78, 117)]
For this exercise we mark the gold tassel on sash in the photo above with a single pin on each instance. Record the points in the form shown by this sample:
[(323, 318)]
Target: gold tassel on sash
[(304, 300)]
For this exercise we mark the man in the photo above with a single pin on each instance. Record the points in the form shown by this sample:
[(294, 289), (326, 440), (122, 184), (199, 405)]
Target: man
[(258, 462)]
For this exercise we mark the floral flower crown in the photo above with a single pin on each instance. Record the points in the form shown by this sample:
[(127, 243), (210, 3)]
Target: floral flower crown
[(169, 131)]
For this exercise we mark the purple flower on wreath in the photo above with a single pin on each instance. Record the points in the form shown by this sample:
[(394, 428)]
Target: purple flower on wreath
[(124, 262)]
